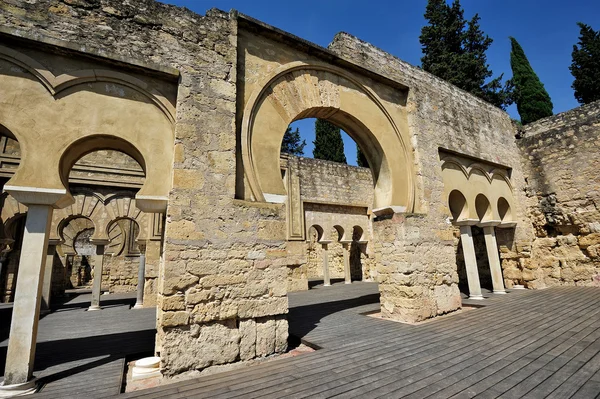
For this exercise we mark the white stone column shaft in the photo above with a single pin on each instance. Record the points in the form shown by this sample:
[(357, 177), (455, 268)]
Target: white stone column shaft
[(326, 280), (348, 277), (139, 303), (494, 259), (28, 296), (97, 286), (47, 285), (466, 238)]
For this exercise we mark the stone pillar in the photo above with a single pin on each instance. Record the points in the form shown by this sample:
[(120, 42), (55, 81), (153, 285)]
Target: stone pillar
[(494, 259), (28, 296), (97, 286), (326, 280), (139, 303), (348, 277), (47, 284), (466, 238)]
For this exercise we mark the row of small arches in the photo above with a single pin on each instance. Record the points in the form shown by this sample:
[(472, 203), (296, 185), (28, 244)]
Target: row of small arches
[(338, 234), (480, 208)]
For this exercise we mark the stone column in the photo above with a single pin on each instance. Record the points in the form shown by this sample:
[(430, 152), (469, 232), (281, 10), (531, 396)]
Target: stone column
[(326, 280), (28, 296), (466, 238), (494, 259), (139, 303), (47, 284), (97, 286), (348, 277)]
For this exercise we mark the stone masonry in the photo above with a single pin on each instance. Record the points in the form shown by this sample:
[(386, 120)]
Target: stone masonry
[(237, 227)]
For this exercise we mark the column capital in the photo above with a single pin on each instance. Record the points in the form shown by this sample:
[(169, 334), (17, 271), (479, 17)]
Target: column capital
[(55, 197)]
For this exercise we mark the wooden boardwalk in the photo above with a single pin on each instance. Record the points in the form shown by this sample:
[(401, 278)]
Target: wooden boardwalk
[(529, 344), (82, 354)]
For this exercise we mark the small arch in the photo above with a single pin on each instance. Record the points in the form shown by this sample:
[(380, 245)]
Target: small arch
[(358, 234), (458, 205), (504, 210), (123, 233), (91, 144), (339, 231), (319, 231), (483, 208)]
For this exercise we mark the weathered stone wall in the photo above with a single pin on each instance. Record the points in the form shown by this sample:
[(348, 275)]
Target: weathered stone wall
[(222, 293), (561, 162), (416, 255), (335, 183)]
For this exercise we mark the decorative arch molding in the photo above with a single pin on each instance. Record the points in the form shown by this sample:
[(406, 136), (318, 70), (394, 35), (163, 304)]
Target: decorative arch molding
[(394, 178), (56, 84), (481, 186)]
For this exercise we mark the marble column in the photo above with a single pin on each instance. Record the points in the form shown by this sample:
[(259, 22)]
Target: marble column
[(97, 285), (325, 252), (466, 238), (346, 249), (28, 296), (47, 284), (494, 259), (139, 303)]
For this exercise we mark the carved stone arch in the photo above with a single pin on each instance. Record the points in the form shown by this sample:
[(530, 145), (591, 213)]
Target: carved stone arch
[(143, 130), (69, 228), (56, 84), (300, 90)]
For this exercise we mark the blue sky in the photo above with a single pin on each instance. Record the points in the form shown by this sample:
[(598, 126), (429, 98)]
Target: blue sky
[(547, 31)]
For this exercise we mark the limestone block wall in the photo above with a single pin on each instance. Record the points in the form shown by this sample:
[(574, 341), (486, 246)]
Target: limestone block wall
[(334, 183), (421, 248), (561, 162), (222, 291)]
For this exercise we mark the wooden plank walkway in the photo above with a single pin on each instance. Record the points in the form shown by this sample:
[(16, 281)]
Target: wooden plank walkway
[(82, 354), (526, 344), (529, 344)]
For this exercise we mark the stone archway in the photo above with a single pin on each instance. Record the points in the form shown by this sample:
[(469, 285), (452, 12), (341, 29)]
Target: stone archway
[(298, 90)]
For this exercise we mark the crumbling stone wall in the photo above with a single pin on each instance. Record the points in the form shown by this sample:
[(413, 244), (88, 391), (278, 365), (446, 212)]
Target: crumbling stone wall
[(561, 161), (222, 291), (335, 183), (416, 254)]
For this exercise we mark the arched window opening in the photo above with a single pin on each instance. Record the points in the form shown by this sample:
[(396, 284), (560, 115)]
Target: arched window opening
[(458, 205), (337, 233), (358, 254), (504, 210), (483, 208)]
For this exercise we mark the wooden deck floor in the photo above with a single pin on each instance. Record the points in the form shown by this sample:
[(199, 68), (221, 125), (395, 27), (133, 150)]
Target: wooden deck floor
[(529, 344), (81, 354)]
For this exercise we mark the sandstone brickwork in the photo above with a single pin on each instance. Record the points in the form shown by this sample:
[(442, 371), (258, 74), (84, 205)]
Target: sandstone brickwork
[(560, 158), (201, 104)]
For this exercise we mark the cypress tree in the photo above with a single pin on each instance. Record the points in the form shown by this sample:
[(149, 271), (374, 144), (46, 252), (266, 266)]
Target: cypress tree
[(328, 142), (361, 160), (585, 67), (455, 50), (533, 101), (291, 143)]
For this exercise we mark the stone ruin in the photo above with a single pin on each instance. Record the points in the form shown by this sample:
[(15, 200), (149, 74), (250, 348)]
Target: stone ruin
[(220, 223)]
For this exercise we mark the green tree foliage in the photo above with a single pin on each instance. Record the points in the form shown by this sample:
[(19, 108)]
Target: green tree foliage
[(454, 50), (328, 142), (291, 142), (361, 160), (533, 101), (585, 67)]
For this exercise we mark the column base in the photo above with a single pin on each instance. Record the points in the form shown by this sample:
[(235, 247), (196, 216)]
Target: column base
[(326, 285), (347, 282), (94, 307), (477, 297), (26, 388), (518, 287), (500, 292), (138, 306)]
